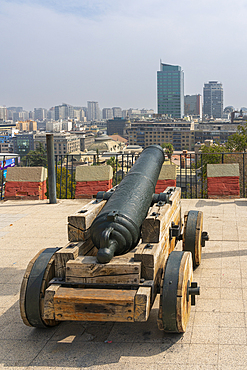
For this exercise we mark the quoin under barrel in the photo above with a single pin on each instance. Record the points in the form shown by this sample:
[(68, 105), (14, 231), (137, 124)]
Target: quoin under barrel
[(116, 230)]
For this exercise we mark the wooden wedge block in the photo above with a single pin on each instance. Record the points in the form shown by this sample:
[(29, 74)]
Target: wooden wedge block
[(153, 255), (70, 252), (120, 270), (83, 218), (159, 217), (142, 304), (94, 304), (49, 311), (76, 235)]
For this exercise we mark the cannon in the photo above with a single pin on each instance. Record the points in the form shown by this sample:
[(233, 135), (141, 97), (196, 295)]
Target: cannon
[(124, 249), (116, 230)]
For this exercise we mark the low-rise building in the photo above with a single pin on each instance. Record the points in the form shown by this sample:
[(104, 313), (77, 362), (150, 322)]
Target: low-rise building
[(179, 133), (64, 143)]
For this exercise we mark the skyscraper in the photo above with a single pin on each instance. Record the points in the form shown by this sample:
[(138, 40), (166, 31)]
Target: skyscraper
[(93, 111), (170, 90), (213, 99), (193, 105)]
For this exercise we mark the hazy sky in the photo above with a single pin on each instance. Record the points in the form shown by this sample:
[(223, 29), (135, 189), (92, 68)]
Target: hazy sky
[(55, 51)]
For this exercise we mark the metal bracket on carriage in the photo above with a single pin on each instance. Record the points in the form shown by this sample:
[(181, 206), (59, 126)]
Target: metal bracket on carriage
[(175, 231), (162, 198), (205, 237), (192, 290), (105, 195)]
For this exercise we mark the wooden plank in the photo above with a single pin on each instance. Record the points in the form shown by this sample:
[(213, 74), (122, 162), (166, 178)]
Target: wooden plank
[(120, 270), (158, 218), (84, 218), (154, 224), (76, 235), (49, 311), (154, 255), (94, 304), (142, 304), (70, 252)]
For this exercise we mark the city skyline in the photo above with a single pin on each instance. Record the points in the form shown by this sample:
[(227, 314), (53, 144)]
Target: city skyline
[(108, 51)]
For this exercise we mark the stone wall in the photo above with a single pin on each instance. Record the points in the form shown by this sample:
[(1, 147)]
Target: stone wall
[(91, 179), (223, 181), (28, 183), (166, 178)]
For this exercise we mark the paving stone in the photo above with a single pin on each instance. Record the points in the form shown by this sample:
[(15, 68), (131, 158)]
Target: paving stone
[(203, 354), (235, 336), (232, 355), (231, 293), (207, 319), (230, 305), (210, 293), (205, 334)]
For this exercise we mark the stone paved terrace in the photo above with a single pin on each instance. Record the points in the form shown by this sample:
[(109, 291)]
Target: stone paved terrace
[(216, 334)]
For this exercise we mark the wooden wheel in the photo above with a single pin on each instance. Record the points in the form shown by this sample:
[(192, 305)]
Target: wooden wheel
[(40, 270), (175, 301), (192, 235)]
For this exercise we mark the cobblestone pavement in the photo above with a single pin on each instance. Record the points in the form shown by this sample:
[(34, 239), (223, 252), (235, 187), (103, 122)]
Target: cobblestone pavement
[(216, 334)]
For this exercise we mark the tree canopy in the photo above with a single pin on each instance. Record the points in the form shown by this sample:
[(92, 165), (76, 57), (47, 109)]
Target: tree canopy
[(238, 141), (37, 157)]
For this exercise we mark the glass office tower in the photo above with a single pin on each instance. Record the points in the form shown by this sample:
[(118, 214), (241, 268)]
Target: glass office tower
[(170, 90), (213, 99)]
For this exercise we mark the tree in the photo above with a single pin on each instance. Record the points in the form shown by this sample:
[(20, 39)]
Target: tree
[(62, 183), (37, 157), (238, 141), (114, 164), (168, 150)]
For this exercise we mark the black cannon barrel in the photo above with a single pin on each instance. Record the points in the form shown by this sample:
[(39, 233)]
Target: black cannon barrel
[(116, 230)]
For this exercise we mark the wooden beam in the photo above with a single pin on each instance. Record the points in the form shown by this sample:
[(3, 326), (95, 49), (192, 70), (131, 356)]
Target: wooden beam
[(94, 304), (120, 270), (70, 252), (142, 304), (84, 218), (49, 311)]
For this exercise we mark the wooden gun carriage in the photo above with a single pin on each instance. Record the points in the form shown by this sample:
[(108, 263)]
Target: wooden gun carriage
[(70, 283)]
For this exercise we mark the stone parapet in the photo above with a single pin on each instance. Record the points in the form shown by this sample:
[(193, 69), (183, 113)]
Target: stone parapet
[(93, 173), (166, 178), (223, 170), (92, 179), (223, 181), (27, 183), (33, 174), (163, 184), (168, 172)]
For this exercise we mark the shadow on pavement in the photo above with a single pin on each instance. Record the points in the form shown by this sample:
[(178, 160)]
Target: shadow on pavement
[(79, 344), (214, 203)]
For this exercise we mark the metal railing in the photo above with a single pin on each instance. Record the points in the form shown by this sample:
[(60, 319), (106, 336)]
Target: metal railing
[(191, 172)]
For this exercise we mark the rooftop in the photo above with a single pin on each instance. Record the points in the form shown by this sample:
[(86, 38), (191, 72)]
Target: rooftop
[(215, 337)]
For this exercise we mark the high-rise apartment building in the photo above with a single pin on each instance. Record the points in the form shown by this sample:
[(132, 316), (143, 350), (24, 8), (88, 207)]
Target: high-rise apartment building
[(40, 113), (213, 99), (193, 105), (64, 111), (170, 90), (107, 113), (3, 113), (117, 112), (93, 111)]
